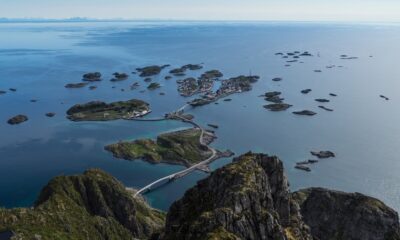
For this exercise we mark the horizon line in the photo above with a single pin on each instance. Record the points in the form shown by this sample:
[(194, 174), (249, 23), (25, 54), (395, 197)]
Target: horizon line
[(86, 19)]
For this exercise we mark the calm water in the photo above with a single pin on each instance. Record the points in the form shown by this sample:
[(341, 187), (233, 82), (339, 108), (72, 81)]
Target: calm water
[(364, 130)]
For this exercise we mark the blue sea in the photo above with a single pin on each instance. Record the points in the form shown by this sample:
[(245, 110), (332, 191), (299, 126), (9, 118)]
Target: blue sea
[(38, 59)]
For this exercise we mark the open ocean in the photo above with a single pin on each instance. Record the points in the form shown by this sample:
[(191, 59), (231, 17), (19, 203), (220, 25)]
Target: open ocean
[(38, 59)]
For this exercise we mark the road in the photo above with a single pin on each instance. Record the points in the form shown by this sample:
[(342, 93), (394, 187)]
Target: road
[(188, 170)]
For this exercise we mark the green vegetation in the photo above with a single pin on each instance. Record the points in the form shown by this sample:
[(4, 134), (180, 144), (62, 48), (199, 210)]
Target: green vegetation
[(180, 147), (101, 111), (90, 206), (221, 234)]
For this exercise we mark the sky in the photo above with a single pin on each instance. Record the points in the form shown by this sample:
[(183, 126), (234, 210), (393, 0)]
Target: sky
[(277, 10)]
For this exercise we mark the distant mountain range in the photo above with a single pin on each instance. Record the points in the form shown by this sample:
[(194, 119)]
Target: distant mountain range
[(75, 19)]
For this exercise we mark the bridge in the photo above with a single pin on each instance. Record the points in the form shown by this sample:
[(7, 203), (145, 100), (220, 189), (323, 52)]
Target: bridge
[(186, 171), (179, 174), (178, 115)]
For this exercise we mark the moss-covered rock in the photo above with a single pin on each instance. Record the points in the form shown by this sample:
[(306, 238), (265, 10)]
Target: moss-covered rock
[(248, 199), (90, 206), (338, 215)]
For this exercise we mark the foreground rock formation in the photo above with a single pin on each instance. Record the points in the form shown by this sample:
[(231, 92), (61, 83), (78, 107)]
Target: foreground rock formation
[(247, 199), (250, 199), (89, 206), (339, 215)]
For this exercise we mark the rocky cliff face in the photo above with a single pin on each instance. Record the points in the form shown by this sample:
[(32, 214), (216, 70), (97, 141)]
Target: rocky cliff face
[(248, 199), (89, 206), (339, 215)]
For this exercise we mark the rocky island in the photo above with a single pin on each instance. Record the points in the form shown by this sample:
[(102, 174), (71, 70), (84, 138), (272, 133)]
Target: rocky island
[(101, 111), (273, 97), (119, 77), (247, 199), (17, 119), (153, 86), (326, 109), (92, 77), (305, 113), (76, 85), (151, 70), (180, 147), (277, 107), (183, 69), (192, 86), (228, 87)]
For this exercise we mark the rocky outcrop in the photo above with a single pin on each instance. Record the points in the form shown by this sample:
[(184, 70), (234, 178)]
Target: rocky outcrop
[(90, 206), (92, 77), (338, 215), (17, 119), (119, 77), (277, 107), (248, 199), (305, 113), (323, 154), (153, 86), (150, 70), (76, 85), (50, 114)]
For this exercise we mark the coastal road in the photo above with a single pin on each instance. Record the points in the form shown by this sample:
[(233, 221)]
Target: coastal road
[(188, 170)]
